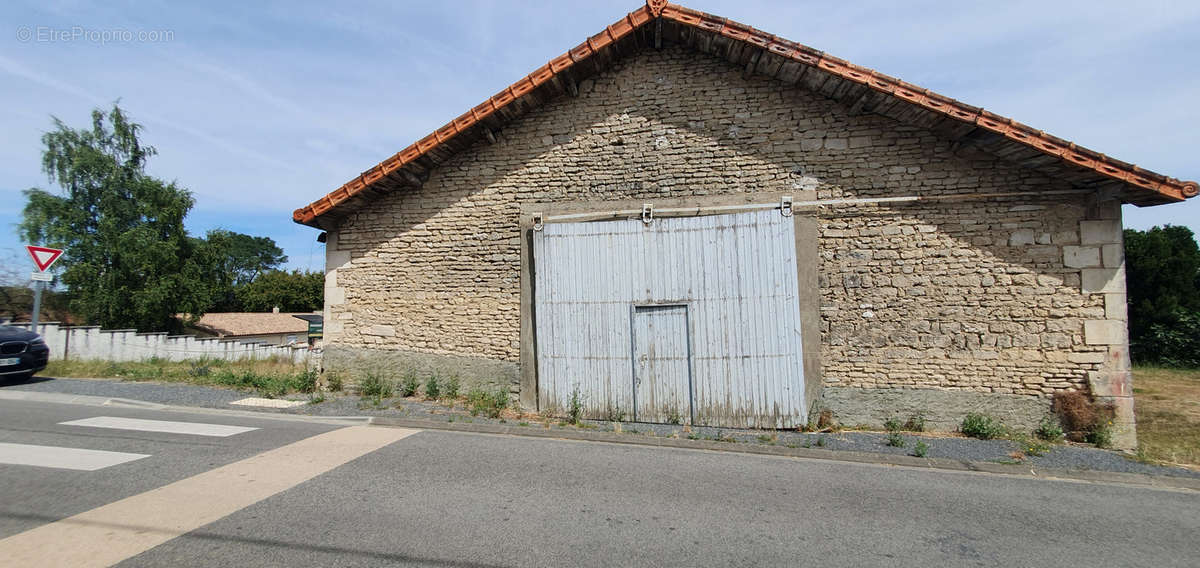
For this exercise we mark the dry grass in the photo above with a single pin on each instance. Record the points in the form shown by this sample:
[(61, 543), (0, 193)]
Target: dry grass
[(1168, 414)]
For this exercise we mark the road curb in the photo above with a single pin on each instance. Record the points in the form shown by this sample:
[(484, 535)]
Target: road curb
[(1137, 479)]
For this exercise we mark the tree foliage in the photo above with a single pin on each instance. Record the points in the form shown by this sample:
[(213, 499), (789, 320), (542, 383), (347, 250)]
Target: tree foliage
[(244, 257), (1163, 282), (128, 259), (294, 291), (235, 260)]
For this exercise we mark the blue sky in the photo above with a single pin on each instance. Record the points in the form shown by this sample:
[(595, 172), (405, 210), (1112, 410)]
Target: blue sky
[(259, 108)]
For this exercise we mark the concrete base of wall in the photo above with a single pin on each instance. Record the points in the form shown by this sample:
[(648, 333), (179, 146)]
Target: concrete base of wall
[(471, 371), (943, 410)]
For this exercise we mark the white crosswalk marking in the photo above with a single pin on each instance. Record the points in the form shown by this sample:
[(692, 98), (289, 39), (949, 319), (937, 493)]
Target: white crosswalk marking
[(194, 428), (114, 532), (62, 458)]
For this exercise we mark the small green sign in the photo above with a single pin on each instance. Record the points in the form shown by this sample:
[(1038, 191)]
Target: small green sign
[(315, 328)]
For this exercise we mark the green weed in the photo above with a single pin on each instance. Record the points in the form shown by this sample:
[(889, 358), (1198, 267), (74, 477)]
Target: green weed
[(410, 383), (920, 449), (333, 380), (452, 387), (1101, 435), (982, 426), (1049, 429), (489, 403), (575, 406), (892, 425), (433, 390), (374, 385)]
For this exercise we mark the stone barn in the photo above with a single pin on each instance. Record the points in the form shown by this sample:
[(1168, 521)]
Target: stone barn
[(684, 219)]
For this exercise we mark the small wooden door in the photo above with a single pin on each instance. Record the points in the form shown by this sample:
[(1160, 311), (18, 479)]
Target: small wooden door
[(662, 365)]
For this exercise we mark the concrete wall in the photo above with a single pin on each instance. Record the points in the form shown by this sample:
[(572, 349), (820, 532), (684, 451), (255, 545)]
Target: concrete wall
[(997, 295), (93, 343)]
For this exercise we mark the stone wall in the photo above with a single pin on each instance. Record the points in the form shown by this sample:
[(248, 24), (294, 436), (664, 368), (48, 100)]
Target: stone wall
[(90, 343), (1000, 295)]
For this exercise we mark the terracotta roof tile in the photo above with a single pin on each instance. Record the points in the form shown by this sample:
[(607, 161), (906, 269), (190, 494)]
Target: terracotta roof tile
[(236, 324), (1163, 189)]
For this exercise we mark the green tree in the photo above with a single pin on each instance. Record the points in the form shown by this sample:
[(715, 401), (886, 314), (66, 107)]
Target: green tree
[(294, 291), (245, 256), (128, 259), (1162, 268), (234, 260)]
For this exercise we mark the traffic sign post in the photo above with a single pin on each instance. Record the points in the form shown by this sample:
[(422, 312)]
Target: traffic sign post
[(43, 257)]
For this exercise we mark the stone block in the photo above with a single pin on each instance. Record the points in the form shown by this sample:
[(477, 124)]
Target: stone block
[(1115, 307), (1081, 257), (1104, 332), (1114, 256), (335, 259), (836, 143), (335, 295), (1088, 357), (1021, 238), (1110, 383), (381, 331), (1103, 280), (1118, 358), (1124, 429), (1103, 232), (1065, 238)]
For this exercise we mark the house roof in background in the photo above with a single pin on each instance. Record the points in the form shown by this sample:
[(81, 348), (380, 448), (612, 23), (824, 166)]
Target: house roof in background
[(237, 324), (866, 90)]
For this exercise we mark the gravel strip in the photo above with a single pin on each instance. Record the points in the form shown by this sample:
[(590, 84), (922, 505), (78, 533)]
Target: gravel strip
[(1060, 456)]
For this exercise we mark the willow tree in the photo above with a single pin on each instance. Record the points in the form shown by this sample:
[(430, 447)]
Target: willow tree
[(128, 262)]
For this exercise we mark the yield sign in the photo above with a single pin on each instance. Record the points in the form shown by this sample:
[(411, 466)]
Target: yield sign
[(43, 257)]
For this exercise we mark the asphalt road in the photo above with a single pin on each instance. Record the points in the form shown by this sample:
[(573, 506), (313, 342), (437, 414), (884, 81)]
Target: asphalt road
[(452, 499)]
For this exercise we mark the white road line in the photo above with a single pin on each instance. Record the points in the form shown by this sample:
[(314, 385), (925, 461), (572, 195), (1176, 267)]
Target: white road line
[(193, 428), (62, 458), (268, 402), (109, 534)]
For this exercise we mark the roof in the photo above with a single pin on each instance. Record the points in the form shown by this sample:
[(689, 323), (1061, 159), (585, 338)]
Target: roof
[(238, 324), (660, 23)]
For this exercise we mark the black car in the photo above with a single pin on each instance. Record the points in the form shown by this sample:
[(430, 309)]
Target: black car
[(22, 353)]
